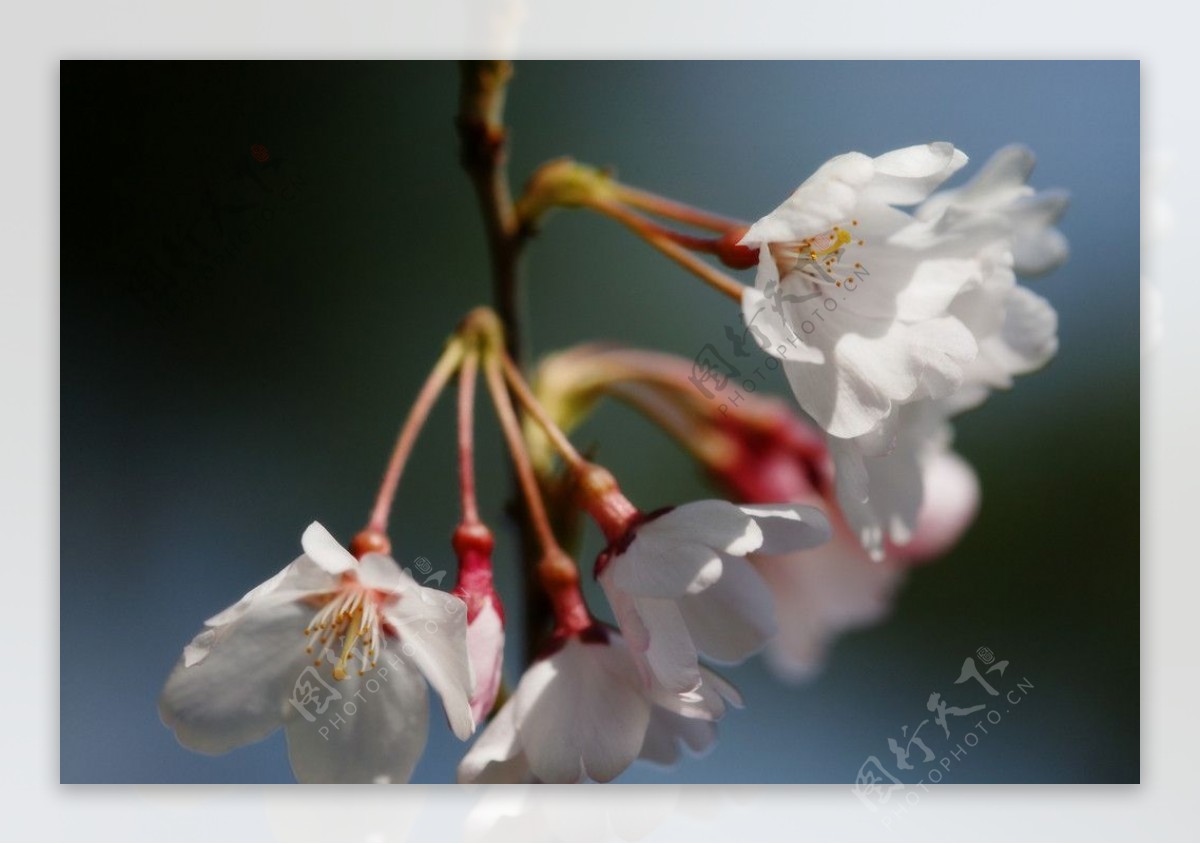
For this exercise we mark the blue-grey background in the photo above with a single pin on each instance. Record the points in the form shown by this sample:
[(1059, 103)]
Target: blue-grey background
[(240, 340)]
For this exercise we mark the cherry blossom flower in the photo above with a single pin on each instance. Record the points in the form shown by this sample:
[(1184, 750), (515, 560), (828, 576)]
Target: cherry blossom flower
[(583, 712), (853, 299), (886, 409), (821, 592), (273, 659), (680, 586)]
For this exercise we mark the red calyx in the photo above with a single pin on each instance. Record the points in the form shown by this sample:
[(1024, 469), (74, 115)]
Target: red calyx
[(473, 544), (734, 256), (779, 460), (618, 546), (370, 542)]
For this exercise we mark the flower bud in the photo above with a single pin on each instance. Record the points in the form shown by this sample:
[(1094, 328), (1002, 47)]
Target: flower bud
[(473, 544)]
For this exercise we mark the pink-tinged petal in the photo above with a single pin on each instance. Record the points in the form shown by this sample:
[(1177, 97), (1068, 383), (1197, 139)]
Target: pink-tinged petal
[(707, 703), (669, 733), (734, 617), (581, 713), (485, 648), (325, 551), (951, 504), (671, 653), (819, 594), (717, 524), (622, 603), (373, 733), (789, 527), (432, 629), (496, 756), (658, 567), (238, 692)]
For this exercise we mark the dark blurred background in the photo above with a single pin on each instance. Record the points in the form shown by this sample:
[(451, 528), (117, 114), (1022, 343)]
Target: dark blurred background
[(261, 259)]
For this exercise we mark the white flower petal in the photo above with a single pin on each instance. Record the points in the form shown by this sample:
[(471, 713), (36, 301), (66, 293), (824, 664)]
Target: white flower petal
[(325, 551), (717, 524), (789, 527), (299, 578), (496, 756), (1039, 250), (907, 176), (708, 702), (771, 333), (670, 652), (379, 571), (668, 733), (581, 713), (238, 692), (899, 362), (660, 568), (734, 617), (432, 629), (377, 736), (1002, 177), (632, 629), (827, 197)]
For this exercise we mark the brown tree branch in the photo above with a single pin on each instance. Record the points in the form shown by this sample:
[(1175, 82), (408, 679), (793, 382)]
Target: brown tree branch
[(483, 141)]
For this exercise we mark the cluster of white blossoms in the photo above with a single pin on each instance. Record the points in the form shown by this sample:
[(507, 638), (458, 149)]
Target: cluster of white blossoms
[(680, 585), (888, 322)]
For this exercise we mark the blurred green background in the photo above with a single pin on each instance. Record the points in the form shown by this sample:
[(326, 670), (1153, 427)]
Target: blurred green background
[(260, 261)]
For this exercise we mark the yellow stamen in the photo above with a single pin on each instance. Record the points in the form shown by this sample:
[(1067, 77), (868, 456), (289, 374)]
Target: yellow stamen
[(354, 630)]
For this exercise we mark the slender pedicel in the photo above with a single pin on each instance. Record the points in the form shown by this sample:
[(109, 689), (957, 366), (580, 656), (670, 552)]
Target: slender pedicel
[(556, 570), (534, 408), (466, 436), (650, 231), (671, 209), (374, 536)]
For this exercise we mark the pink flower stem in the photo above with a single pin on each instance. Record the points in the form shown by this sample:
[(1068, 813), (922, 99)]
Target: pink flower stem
[(426, 398), (556, 570), (651, 232), (466, 437), (669, 208), (534, 408)]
